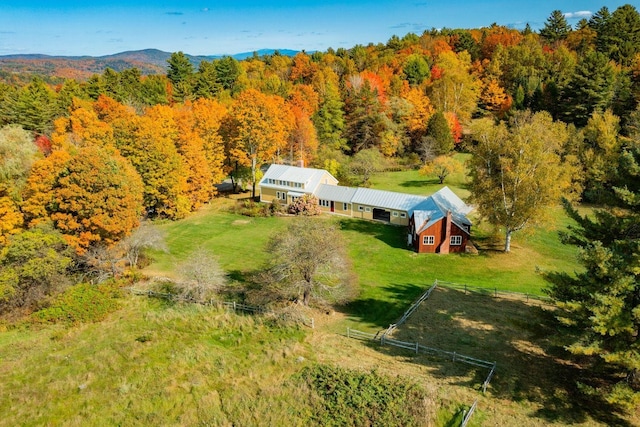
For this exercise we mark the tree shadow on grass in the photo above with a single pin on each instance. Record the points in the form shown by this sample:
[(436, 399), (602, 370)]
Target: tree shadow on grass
[(381, 312), (520, 338), (420, 183), (392, 235)]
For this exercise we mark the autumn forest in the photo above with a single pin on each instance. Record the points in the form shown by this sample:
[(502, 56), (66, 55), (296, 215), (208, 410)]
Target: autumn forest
[(84, 161)]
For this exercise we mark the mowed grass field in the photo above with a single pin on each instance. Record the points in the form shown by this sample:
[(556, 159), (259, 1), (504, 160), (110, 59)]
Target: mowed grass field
[(390, 275)]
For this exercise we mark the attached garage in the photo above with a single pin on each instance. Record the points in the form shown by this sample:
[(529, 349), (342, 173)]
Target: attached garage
[(381, 215)]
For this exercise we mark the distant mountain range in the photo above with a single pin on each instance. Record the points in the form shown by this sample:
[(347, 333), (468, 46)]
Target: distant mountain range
[(148, 61)]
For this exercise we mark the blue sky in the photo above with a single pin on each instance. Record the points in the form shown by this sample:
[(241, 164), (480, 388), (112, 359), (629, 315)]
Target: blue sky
[(207, 27)]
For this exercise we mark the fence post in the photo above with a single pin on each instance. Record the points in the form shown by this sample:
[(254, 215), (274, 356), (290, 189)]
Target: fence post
[(417, 347), (234, 306), (313, 323), (465, 288), (454, 356), (348, 333), (496, 292)]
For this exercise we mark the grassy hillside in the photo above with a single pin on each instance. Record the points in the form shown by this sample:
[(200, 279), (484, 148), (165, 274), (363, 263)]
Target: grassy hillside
[(156, 363)]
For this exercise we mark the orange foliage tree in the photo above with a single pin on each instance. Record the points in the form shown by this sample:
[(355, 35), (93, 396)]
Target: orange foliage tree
[(208, 116), (190, 145), (154, 154), (92, 196), (258, 128), (82, 128), (454, 126)]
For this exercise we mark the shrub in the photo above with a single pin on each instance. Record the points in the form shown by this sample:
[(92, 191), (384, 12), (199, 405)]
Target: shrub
[(305, 205), (82, 303), (252, 209), (352, 398)]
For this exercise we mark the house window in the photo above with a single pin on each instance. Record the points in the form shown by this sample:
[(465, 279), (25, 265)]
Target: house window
[(345, 206), (403, 215), (367, 209), (360, 208), (428, 240), (395, 214), (277, 194), (324, 203), (456, 240), (283, 196)]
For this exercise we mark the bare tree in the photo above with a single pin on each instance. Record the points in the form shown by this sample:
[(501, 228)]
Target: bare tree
[(147, 236), (308, 260), (200, 276)]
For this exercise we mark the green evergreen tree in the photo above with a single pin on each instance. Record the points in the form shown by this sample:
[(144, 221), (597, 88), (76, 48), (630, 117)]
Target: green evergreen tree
[(601, 304), (556, 28), (180, 74), (34, 108), (440, 134), (591, 88), (228, 70), (329, 119), (207, 85), (619, 37), (416, 70)]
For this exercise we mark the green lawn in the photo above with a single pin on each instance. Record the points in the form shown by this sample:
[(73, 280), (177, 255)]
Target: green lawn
[(390, 274), (410, 181)]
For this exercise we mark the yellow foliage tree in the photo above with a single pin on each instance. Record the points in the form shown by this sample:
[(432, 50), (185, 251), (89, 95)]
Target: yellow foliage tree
[(494, 98), (517, 173), (441, 167), (455, 89), (82, 128), (11, 219), (258, 128), (420, 113)]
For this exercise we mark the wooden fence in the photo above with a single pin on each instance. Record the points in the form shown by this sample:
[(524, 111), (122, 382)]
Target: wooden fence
[(494, 292), (232, 305), (466, 415), (384, 337), (419, 348), (409, 311)]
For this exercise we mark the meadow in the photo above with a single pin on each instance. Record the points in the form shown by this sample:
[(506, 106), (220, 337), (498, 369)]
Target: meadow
[(158, 362)]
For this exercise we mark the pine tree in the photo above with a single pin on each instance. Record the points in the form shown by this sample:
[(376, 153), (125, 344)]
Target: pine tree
[(439, 133), (556, 28), (591, 88), (601, 304)]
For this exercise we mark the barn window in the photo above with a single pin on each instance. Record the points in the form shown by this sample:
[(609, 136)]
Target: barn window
[(360, 208), (367, 209), (395, 214), (428, 240), (456, 240), (403, 215)]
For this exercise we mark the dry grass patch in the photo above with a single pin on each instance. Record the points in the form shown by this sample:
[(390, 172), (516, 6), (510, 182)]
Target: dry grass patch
[(535, 378)]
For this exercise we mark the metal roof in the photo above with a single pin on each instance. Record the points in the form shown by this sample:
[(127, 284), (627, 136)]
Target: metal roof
[(436, 207), (336, 193), (310, 177), (386, 199)]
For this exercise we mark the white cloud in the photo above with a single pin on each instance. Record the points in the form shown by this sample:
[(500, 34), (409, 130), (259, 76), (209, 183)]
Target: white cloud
[(578, 15)]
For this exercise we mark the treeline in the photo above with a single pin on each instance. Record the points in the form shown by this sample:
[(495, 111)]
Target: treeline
[(88, 159)]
